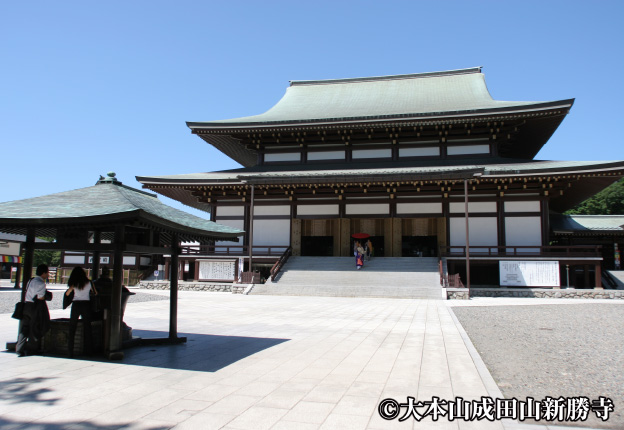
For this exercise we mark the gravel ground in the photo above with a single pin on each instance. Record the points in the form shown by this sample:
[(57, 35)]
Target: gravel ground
[(9, 296), (567, 350)]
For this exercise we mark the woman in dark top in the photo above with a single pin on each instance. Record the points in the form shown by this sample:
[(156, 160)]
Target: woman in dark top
[(82, 287)]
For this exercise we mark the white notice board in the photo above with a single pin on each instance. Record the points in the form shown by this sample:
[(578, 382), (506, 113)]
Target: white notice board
[(529, 273), (217, 270)]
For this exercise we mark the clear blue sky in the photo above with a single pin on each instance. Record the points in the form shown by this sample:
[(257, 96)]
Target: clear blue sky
[(88, 87)]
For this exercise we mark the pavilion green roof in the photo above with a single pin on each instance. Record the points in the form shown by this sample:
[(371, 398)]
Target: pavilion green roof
[(107, 201)]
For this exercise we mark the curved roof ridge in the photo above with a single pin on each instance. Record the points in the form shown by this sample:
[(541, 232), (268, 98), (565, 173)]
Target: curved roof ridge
[(389, 77)]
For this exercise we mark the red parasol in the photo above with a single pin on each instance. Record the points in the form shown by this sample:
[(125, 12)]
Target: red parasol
[(360, 236)]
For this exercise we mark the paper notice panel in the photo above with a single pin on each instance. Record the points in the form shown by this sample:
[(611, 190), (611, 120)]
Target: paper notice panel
[(529, 273)]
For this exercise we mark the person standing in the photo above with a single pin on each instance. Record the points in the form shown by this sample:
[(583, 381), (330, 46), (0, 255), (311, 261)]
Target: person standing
[(369, 249), (81, 286), (359, 258), (36, 320)]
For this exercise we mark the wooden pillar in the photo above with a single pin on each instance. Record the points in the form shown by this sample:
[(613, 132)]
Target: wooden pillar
[(545, 223), (28, 264), (173, 288), (598, 275), (29, 257), (466, 214), (397, 237), (95, 266), (18, 273), (114, 345), (502, 236), (387, 238), (251, 220)]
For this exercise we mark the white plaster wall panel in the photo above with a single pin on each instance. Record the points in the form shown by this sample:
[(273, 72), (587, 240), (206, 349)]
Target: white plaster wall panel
[(419, 208), (273, 232), (10, 248), (468, 149), (522, 206), (230, 211), (427, 151), (145, 261), (482, 231), (317, 210), (74, 259), (371, 153), (326, 155), (473, 207), (282, 156), (235, 223), (363, 209), (129, 261), (271, 210), (523, 231)]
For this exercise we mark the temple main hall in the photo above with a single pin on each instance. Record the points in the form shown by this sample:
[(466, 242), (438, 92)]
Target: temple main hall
[(422, 163)]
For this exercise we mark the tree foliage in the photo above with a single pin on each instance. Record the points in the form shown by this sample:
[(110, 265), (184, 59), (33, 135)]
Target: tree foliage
[(609, 201), (44, 256)]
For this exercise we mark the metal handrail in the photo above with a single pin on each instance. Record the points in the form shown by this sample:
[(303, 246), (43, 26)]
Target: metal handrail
[(280, 263)]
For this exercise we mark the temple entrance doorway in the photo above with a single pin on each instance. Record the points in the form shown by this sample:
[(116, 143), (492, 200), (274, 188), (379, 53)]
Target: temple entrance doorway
[(316, 237), (419, 246), (317, 246), (376, 228), (422, 237)]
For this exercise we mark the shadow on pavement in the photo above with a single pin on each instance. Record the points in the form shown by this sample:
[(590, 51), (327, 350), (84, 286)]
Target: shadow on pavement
[(201, 352)]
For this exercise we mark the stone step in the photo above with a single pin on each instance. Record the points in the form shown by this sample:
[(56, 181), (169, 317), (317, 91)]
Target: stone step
[(399, 277)]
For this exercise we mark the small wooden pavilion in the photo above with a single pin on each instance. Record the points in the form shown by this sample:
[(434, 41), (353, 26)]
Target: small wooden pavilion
[(110, 217)]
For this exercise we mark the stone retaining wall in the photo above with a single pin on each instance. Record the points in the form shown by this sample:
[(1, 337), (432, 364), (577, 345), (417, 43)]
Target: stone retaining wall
[(571, 293), (196, 286)]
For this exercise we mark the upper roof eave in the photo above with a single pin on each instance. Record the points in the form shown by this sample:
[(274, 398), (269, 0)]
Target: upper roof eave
[(446, 115)]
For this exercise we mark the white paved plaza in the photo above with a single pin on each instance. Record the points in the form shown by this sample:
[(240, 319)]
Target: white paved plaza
[(255, 362)]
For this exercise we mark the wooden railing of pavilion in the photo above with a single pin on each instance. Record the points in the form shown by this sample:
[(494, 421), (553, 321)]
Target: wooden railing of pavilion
[(234, 251), (568, 252), (280, 263)]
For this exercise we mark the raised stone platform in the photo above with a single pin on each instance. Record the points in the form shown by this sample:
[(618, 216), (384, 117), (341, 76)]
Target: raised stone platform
[(221, 287), (549, 293)]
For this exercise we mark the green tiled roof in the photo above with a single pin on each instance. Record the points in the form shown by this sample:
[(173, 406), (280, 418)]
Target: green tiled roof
[(108, 198), (332, 171), (587, 223), (402, 171), (398, 96)]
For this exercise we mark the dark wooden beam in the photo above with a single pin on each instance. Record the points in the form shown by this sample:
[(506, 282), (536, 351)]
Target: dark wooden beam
[(173, 288)]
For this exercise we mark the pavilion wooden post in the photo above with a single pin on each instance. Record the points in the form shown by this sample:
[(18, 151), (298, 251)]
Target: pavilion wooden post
[(173, 288), (95, 265), (28, 264), (114, 346), (29, 258), (18, 274)]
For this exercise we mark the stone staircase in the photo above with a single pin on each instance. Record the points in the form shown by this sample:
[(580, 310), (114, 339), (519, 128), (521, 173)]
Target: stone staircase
[(415, 278)]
